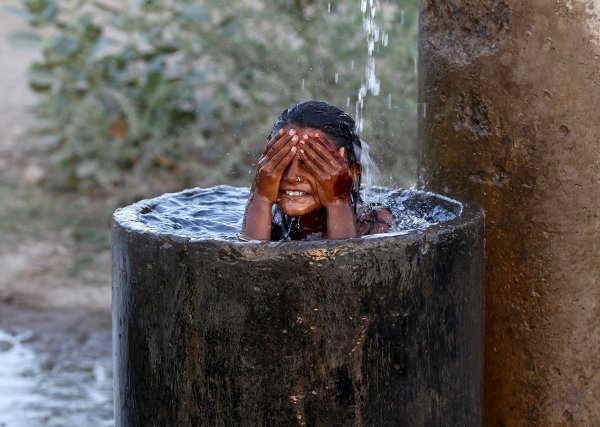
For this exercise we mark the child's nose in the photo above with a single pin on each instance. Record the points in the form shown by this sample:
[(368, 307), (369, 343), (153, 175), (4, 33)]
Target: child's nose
[(291, 172)]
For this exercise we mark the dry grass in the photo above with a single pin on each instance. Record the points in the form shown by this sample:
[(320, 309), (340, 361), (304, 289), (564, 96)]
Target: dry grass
[(56, 248)]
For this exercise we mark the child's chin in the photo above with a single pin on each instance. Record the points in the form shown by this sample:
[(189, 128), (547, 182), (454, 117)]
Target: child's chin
[(296, 210)]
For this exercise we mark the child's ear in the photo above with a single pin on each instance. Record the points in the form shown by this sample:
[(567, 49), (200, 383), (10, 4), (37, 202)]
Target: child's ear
[(342, 152)]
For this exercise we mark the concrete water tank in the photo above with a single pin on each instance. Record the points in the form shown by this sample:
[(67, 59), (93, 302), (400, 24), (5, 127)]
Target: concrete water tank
[(379, 330)]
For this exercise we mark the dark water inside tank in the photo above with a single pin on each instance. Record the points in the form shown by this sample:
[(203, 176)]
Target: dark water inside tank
[(217, 212)]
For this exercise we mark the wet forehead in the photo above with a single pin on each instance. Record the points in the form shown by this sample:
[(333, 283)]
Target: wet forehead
[(304, 130)]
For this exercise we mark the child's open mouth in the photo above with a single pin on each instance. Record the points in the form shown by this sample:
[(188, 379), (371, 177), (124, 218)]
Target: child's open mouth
[(294, 193)]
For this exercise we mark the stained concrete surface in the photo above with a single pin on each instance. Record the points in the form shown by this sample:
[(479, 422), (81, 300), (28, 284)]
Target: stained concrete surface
[(512, 120)]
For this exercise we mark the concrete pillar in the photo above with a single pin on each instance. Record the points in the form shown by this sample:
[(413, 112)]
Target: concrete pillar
[(510, 117)]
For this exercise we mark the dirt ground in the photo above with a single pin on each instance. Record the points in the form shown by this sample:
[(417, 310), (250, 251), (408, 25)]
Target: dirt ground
[(54, 250)]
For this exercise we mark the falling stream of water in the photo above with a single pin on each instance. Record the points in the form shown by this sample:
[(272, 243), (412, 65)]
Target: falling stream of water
[(375, 36)]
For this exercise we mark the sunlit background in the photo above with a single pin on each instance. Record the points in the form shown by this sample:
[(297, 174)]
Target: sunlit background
[(105, 102)]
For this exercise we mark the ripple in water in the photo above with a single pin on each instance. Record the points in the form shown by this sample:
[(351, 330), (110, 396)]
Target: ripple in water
[(217, 212), (68, 393)]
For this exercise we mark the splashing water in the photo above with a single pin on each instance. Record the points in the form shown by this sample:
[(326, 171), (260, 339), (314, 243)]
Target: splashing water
[(374, 36), (217, 213), (369, 170), (16, 365)]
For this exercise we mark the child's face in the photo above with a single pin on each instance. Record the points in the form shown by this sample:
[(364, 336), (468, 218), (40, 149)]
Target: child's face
[(298, 193)]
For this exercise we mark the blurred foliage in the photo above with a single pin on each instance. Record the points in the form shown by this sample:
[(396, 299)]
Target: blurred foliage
[(162, 94)]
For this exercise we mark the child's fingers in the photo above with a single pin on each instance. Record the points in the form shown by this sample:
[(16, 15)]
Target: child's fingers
[(332, 163), (279, 148), (327, 145), (279, 144), (313, 167), (278, 141), (326, 152), (284, 150), (317, 159), (285, 161), (273, 140)]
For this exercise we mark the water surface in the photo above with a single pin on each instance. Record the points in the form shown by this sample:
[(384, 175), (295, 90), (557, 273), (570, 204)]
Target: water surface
[(217, 212)]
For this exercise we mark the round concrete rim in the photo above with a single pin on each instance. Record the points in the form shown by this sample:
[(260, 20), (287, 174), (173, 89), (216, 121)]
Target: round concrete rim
[(126, 218)]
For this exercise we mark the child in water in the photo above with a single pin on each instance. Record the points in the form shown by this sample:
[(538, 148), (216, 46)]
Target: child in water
[(310, 170)]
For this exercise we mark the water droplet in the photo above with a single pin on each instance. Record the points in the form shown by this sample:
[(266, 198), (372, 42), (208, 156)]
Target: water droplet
[(416, 64)]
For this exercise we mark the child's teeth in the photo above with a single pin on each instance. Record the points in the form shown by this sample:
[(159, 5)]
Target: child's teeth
[(295, 193)]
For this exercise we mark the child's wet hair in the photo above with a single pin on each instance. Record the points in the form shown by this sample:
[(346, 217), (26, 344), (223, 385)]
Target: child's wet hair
[(327, 118)]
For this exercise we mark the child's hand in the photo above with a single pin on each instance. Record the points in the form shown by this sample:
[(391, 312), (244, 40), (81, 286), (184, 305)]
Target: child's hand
[(278, 154), (330, 169)]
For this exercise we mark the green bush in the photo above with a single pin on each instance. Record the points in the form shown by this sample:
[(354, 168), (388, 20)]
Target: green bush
[(187, 91)]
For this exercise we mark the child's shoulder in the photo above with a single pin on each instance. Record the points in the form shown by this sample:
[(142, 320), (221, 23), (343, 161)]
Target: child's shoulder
[(373, 219)]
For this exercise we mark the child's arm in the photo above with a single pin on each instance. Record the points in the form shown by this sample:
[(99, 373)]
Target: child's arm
[(341, 221), (334, 184), (278, 153)]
